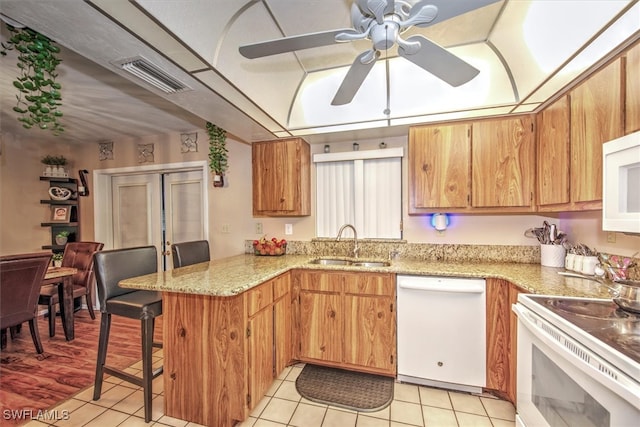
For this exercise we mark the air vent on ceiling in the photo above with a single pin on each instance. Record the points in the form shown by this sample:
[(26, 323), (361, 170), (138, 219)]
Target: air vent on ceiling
[(152, 74)]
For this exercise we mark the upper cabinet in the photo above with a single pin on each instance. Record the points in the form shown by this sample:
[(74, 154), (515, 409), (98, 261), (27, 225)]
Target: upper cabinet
[(503, 160), (484, 166), (553, 151), (596, 117), (281, 178), (632, 97), (439, 167)]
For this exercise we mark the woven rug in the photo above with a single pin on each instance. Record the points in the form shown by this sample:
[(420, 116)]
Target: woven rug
[(351, 390)]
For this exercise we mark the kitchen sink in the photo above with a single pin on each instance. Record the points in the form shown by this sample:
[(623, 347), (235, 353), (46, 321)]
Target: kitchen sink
[(351, 262), (371, 263), (330, 261)]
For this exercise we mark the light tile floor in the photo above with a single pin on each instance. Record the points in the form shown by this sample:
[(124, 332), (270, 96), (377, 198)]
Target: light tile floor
[(121, 405)]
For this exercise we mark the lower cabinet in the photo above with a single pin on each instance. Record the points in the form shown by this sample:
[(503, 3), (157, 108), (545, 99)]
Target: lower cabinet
[(346, 320), (223, 353), (502, 330)]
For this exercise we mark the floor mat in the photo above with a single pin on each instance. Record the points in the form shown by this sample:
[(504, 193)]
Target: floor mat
[(351, 390)]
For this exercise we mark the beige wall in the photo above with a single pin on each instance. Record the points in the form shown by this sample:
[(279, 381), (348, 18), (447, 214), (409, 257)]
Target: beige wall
[(21, 212)]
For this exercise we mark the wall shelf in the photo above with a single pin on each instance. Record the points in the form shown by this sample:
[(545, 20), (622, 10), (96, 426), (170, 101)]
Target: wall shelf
[(73, 225)]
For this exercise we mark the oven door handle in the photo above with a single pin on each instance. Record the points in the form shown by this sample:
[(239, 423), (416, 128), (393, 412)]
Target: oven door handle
[(581, 357)]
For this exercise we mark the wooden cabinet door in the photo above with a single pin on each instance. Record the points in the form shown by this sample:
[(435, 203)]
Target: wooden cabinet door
[(498, 335), (282, 321), (369, 332), (514, 291), (553, 154), (260, 347), (321, 326), (502, 332), (596, 117), (632, 97), (503, 163), (439, 166), (281, 177), (370, 322)]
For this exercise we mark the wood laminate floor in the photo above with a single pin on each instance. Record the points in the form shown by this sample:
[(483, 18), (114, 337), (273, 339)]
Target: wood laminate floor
[(29, 381)]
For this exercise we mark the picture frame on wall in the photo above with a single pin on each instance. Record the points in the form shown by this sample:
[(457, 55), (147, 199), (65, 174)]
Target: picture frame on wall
[(60, 213)]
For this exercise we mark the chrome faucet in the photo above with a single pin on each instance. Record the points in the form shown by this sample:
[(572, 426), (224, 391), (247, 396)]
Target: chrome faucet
[(355, 238)]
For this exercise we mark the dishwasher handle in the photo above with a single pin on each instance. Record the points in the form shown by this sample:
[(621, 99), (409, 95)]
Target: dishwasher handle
[(466, 288)]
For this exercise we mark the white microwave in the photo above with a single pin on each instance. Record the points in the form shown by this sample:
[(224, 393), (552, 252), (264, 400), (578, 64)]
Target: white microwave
[(621, 184)]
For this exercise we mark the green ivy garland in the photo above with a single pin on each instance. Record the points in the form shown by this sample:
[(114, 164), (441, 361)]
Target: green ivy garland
[(39, 93), (218, 154)]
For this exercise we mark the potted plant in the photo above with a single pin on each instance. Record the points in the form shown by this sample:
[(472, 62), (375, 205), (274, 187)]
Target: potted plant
[(61, 237), (57, 259), (54, 165), (218, 154), (38, 92)]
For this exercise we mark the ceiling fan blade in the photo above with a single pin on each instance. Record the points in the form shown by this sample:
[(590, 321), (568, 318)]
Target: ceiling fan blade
[(439, 62), (293, 43), (354, 78), (447, 9)]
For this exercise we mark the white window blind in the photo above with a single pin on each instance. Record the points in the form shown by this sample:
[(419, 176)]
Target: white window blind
[(360, 188)]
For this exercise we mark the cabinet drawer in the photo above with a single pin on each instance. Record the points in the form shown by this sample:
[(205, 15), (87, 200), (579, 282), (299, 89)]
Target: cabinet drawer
[(321, 281), (259, 297), (369, 284), (280, 286)]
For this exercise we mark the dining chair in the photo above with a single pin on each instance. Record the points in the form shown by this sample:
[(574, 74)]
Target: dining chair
[(188, 253), (78, 255), (111, 267), (20, 280)]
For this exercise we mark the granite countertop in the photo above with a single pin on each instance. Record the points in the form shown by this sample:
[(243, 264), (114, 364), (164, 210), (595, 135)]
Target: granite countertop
[(234, 275)]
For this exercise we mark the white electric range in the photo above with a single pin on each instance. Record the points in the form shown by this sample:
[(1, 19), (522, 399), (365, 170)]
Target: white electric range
[(578, 362)]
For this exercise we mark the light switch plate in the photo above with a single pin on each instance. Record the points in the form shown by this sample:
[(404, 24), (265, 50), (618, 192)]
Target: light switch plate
[(258, 228), (288, 229)]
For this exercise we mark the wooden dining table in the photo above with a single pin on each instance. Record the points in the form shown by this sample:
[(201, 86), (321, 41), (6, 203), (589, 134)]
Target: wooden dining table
[(62, 277)]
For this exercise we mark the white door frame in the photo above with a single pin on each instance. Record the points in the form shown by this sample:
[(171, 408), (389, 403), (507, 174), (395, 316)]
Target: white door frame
[(102, 197)]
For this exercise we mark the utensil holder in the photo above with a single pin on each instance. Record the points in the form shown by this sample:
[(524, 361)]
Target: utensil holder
[(552, 255)]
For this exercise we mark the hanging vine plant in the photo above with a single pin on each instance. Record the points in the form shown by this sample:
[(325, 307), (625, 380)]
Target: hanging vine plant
[(38, 92), (218, 154)]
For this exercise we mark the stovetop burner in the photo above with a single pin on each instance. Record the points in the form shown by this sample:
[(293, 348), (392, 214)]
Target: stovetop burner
[(591, 308), (601, 318)]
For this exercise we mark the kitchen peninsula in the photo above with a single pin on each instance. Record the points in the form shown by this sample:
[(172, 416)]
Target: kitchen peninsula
[(223, 319)]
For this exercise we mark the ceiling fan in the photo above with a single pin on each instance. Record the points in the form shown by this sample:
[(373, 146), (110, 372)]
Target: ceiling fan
[(382, 22)]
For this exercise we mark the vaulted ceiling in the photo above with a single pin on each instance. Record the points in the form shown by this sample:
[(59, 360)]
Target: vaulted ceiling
[(526, 51)]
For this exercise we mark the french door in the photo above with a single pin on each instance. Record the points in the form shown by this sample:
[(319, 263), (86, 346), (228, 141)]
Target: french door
[(158, 209)]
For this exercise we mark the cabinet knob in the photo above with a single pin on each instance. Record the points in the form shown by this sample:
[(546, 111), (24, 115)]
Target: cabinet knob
[(440, 364), (332, 314), (425, 168), (173, 376), (182, 332)]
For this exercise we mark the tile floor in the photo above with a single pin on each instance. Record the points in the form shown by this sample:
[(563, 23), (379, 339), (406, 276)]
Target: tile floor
[(121, 405)]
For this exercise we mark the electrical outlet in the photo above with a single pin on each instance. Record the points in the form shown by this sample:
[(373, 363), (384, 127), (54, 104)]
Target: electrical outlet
[(288, 229), (258, 228), (611, 236), (226, 228)]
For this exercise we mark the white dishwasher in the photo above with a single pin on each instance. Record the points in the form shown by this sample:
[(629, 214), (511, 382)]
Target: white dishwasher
[(442, 332)]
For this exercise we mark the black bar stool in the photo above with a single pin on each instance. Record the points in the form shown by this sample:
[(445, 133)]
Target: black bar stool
[(110, 267), (188, 253)]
